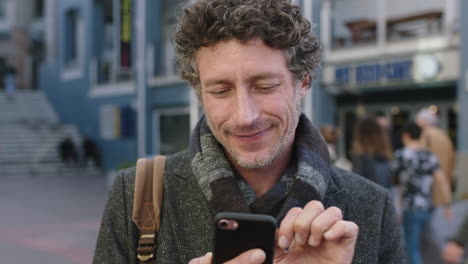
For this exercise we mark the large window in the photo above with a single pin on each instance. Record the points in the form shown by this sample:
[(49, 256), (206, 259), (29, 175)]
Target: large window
[(353, 22), (361, 22), (172, 130), (415, 18), (2, 9), (7, 16), (72, 33), (163, 54), (113, 41)]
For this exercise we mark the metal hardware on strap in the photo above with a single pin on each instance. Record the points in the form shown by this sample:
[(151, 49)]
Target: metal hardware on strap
[(147, 204), (146, 247), (145, 257)]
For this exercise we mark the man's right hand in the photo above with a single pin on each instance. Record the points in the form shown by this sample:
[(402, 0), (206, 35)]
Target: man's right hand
[(310, 235)]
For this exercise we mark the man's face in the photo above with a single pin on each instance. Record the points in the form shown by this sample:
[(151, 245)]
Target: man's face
[(250, 100)]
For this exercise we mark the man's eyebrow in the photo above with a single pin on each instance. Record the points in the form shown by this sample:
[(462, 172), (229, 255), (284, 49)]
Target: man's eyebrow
[(257, 77), (213, 82), (266, 76)]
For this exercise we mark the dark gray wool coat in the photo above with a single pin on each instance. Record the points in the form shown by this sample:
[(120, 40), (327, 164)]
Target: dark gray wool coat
[(189, 206)]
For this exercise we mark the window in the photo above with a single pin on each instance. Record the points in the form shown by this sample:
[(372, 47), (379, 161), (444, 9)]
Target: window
[(39, 8), (113, 41), (164, 53), (172, 130), (353, 22), (117, 122), (105, 40), (7, 16), (416, 18), (72, 35), (3, 9)]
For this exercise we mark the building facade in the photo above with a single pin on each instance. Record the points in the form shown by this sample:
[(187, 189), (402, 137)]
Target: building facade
[(110, 69), (393, 58), (21, 38)]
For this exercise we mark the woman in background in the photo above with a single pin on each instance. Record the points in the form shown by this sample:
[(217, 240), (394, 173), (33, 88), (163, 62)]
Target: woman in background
[(371, 152)]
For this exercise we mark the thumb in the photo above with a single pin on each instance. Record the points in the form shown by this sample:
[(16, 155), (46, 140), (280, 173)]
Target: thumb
[(206, 259), (253, 256)]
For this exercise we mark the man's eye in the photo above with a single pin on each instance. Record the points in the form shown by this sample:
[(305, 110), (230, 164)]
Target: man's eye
[(266, 88), (220, 92)]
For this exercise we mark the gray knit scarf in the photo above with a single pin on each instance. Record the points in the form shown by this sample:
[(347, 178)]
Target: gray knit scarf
[(305, 179)]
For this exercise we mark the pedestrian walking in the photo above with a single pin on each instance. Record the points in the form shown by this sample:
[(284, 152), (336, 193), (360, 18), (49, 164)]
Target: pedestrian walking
[(417, 169), (438, 142), (68, 153), (10, 86)]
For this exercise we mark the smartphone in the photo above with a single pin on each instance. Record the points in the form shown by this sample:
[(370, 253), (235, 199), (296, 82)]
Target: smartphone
[(236, 233)]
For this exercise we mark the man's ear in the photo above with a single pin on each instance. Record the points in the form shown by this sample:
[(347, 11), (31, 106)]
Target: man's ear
[(305, 85)]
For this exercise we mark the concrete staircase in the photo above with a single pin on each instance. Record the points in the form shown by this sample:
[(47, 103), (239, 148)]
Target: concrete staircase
[(30, 133)]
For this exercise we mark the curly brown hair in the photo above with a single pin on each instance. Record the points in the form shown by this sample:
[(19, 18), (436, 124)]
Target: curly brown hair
[(370, 138), (280, 25)]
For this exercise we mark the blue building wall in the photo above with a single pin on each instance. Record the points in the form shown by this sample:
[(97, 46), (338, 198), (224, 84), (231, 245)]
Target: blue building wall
[(71, 98), (162, 96)]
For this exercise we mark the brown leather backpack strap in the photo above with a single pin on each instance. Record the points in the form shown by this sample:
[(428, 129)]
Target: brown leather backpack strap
[(147, 204)]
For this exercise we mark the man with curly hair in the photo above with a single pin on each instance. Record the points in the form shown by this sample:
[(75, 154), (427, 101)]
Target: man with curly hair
[(250, 64)]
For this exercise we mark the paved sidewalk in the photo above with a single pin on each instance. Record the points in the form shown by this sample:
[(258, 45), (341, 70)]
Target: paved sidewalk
[(53, 219)]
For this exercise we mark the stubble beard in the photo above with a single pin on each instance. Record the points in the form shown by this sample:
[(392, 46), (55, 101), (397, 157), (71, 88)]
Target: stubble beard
[(277, 148)]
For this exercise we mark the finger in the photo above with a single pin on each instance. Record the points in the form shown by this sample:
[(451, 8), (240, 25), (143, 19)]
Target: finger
[(342, 230), (302, 224), (286, 230), (253, 256), (322, 223), (206, 259)]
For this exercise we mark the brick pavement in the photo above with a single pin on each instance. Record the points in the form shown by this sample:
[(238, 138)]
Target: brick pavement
[(50, 219)]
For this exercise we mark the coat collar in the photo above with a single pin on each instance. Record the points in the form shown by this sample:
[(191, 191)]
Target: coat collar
[(216, 176)]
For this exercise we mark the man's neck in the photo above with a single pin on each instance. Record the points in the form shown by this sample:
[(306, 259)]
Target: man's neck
[(263, 179)]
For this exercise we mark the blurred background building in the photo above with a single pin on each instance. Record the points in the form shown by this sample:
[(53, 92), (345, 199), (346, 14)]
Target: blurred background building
[(393, 58), (21, 38), (107, 68)]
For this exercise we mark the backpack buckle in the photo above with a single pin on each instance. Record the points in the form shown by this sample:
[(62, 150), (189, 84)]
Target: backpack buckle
[(145, 247)]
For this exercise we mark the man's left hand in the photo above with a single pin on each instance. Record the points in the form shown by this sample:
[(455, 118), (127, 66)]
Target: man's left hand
[(316, 235)]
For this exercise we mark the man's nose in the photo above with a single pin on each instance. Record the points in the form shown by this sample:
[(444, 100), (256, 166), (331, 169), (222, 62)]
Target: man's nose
[(247, 109)]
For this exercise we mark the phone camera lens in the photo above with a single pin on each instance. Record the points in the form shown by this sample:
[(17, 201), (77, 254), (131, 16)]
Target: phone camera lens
[(223, 223)]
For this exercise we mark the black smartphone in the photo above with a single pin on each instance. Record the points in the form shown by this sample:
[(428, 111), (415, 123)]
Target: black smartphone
[(236, 233)]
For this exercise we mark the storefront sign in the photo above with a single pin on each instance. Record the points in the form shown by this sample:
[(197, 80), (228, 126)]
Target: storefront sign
[(402, 71), (374, 73)]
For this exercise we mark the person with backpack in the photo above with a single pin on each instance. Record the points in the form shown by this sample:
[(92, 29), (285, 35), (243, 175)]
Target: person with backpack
[(417, 170), (438, 142), (250, 63)]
